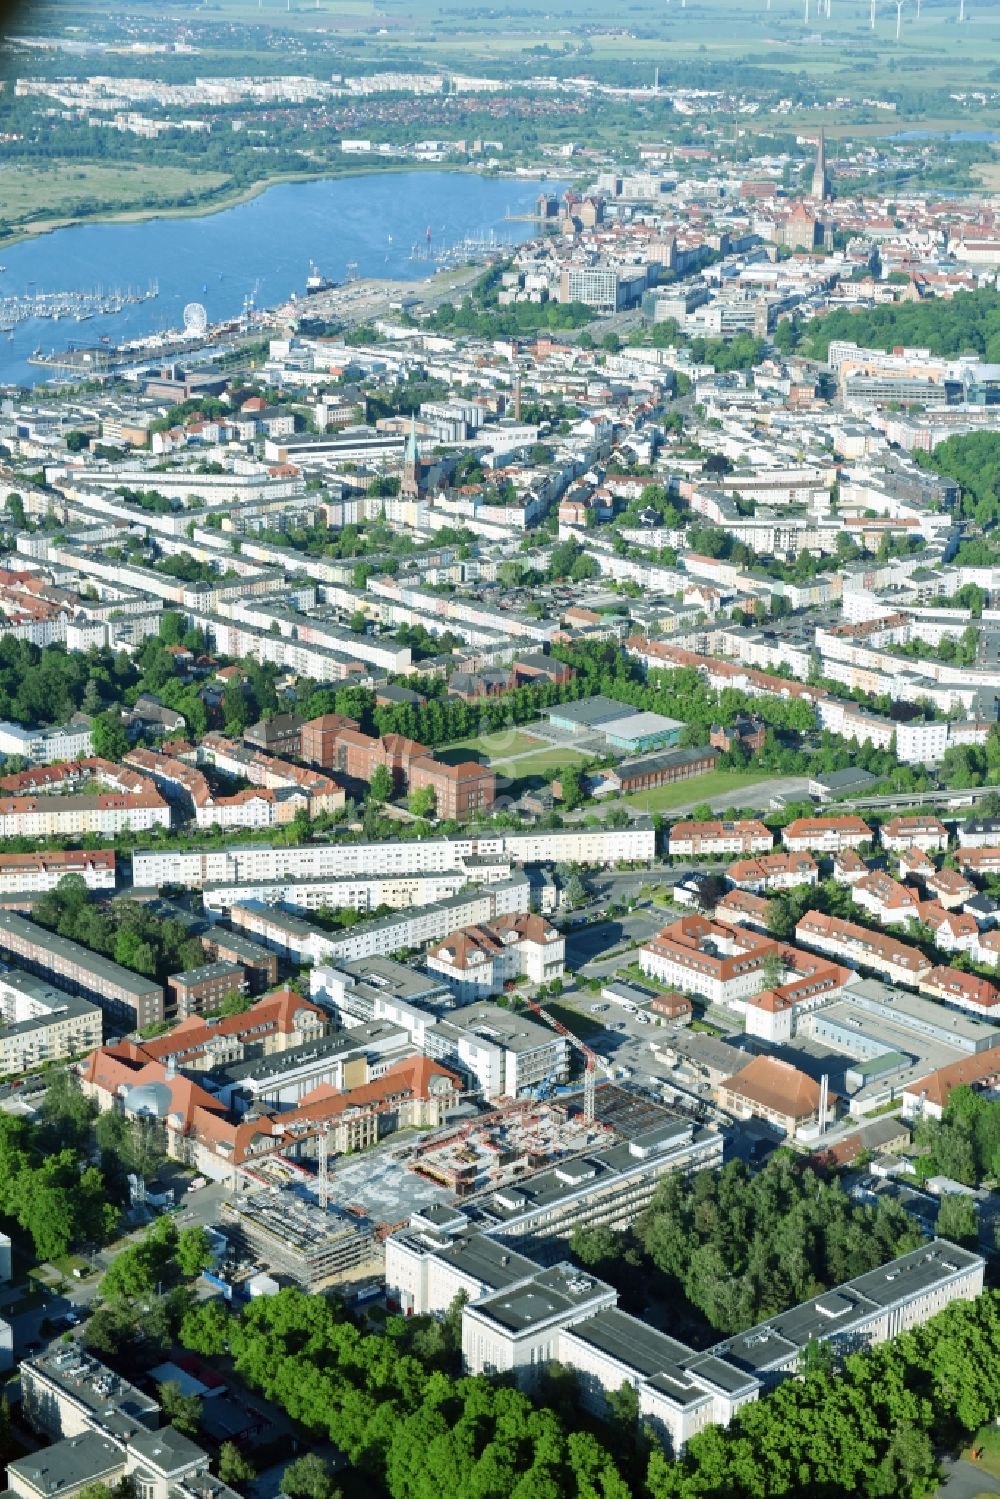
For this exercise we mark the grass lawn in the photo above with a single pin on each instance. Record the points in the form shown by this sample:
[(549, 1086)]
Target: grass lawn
[(987, 1442), (698, 789), (512, 753), (70, 1262), (535, 764), (489, 747), (574, 1020)]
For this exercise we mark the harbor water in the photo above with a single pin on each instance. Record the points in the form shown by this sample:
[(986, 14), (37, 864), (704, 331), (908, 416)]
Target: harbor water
[(374, 224)]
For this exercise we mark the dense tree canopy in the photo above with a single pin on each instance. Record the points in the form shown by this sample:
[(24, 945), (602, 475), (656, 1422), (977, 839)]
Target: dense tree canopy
[(129, 932), (967, 323)]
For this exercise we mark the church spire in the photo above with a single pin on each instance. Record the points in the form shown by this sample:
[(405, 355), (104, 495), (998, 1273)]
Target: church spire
[(821, 177)]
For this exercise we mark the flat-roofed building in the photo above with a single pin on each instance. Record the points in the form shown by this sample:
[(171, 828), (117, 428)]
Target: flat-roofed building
[(566, 1315), (258, 963), (65, 1390), (128, 1000), (201, 990), (516, 1331), (679, 1391), (606, 1187), (41, 1023)]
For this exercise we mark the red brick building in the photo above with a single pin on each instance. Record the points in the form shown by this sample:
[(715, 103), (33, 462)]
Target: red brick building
[(459, 789), (319, 739)]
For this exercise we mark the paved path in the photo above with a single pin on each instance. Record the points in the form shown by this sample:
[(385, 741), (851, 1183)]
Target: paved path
[(965, 1480)]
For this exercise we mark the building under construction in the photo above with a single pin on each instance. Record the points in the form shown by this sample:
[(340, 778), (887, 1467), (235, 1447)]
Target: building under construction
[(519, 1138), (296, 1238)]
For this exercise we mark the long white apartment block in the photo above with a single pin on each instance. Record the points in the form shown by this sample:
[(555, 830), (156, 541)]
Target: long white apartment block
[(363, 893), (383, 936), (198, 868)]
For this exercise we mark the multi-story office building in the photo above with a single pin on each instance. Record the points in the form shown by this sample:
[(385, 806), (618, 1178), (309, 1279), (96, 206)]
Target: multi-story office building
[(519, 1325)]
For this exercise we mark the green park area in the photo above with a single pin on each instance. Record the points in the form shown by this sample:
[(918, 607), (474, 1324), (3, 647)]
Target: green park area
[(512, 753), (984, 1450)]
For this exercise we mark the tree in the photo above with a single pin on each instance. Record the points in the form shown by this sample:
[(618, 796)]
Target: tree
[(66, 1111), (204, 1329), (957, 1220), (234, 1468), (423, 801), (576, 891), (308, 1477), (380, 787), (194, 1251), (108, 736), (572, 789), (772, 971), (182, 1411), (611, 343), (235, 1003)]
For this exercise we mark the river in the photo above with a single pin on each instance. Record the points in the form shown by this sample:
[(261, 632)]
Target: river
[(262, 247)]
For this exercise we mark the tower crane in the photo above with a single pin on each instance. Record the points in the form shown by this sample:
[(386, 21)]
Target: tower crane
[(593, 1061)]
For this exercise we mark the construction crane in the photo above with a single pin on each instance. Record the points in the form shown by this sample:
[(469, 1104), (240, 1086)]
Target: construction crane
[(593, 1061)]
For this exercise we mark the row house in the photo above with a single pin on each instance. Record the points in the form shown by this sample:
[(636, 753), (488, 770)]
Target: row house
[(774, 872), (856, 944), (696, 839), (967, 991), (928, 833), (826, 834)]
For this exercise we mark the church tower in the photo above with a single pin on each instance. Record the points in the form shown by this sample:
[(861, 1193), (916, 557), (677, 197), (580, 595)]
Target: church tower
[(821, 190), (411, 462)]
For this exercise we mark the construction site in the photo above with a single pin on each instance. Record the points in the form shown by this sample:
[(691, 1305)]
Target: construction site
[(313, 1246), (527, 1136)]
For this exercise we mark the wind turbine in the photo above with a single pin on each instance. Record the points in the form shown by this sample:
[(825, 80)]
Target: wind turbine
[(961, 11), (873, 15), (807, 13), (899, 18)]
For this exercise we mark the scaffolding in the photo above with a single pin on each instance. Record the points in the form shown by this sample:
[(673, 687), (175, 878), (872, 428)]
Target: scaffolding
[(309, 1244)]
